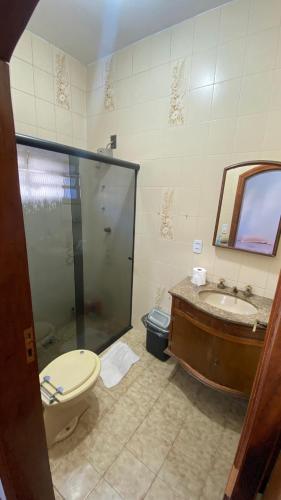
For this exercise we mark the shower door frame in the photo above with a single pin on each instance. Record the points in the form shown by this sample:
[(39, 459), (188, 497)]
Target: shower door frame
[(73, 153)]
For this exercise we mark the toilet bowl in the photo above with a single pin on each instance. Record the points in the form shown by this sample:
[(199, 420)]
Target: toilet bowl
[(65, 384)]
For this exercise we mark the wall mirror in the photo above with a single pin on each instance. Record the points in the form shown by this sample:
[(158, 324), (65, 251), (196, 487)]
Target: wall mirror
[(249, 212)]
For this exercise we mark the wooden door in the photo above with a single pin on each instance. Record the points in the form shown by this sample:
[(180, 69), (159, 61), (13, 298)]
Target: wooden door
[(24, 465), (260, 437)]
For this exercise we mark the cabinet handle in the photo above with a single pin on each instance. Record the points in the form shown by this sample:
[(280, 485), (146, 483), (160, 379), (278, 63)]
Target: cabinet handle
[(216, 362)]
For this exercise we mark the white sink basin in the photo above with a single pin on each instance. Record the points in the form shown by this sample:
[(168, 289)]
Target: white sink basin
[(227, 302)]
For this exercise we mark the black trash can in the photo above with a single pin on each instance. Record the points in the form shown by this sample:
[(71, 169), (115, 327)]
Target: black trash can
[(157, 330)]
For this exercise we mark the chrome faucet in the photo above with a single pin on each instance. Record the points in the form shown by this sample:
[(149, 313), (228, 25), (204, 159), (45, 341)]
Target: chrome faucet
[(248, 292), (221, 283)]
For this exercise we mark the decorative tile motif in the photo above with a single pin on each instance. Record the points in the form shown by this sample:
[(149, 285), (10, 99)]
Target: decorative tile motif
[(62, 81), (176, 112), (108, 87), (166, 226)]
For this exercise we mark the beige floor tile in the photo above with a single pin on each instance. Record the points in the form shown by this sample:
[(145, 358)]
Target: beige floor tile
[(100, 402), (142, 396), (161, 491), (122, 420), (161, 425), (74, 479), (129, 476), (168, 423), (71, 448), (184, 385), (183, 476), (197, 448), (103, 491), (212, 489), (102, 448), (173, 404), (149, 449), (213, 404)]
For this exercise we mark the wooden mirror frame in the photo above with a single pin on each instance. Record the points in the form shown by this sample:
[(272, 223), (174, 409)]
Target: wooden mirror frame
[(258, 167)]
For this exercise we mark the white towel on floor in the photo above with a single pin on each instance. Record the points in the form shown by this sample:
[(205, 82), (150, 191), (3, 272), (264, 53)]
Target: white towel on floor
[(116, 363)]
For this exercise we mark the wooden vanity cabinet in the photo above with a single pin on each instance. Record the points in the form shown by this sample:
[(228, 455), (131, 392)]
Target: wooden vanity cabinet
[(221, 354)]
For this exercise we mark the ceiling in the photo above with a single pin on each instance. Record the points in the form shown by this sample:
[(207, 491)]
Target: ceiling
[(89, 29)]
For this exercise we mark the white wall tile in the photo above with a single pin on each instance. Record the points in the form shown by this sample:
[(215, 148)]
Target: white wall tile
[(226, 98), (95, 75), (206, 31), (272, 135), (230, 60), (160, 46), (199, 104), (123, 60), (250, 133), (264, 15), (46, 135), (78, 100), (25, 129), (42, 54), (78, 74), (234, 20), (23, 48), (95, 101), (44, 85), (261, 51), (255, 93), (22, 75), (203, 68), (275, 96), (141, 56), (45, 113), (253, 270), (79, 126), (24, 107), (221, 136), (182, 39), (63, 121), (152, 51)]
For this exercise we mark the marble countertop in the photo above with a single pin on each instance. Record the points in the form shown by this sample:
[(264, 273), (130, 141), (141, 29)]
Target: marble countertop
[(189, 292)]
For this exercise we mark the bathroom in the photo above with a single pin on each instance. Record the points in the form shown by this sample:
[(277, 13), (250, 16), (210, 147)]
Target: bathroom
[(153, 103)]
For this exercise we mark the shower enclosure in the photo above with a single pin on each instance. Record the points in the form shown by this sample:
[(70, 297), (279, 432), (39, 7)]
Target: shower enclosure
[(79, 216)]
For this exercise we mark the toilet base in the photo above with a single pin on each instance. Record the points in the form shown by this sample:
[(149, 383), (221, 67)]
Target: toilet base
[(61, 420)]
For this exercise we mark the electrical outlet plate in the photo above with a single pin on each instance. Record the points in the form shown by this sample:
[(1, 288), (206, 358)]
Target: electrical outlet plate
[(197, 246)]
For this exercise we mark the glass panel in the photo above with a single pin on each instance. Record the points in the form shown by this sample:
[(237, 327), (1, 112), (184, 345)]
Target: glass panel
[(107, 199), (79, 224), (45, 192)]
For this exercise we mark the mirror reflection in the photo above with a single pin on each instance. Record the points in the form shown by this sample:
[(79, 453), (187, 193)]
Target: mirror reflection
[(250, 208)]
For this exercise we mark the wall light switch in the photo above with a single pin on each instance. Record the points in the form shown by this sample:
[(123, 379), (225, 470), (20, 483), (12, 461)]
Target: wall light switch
[(197, 246)]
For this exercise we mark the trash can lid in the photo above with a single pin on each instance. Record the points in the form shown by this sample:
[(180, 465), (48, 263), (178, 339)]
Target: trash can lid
[(159, 319)]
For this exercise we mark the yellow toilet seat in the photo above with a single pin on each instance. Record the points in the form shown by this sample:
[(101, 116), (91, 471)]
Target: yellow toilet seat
[(68, 376)]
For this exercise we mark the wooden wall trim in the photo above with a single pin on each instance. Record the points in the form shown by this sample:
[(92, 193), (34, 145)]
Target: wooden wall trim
[(14, 15)]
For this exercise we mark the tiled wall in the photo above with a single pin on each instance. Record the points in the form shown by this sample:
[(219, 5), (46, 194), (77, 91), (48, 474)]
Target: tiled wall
[(48, 92), (185, 103)]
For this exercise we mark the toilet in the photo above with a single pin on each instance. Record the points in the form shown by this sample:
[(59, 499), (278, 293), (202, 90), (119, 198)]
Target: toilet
[(65, 384)]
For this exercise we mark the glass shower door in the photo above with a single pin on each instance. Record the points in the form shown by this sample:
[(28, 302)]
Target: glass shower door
[(79, 224), (107, 205), (46, 199)]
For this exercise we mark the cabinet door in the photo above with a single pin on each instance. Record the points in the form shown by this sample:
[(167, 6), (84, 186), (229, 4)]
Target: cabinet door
[(234, 364), (192, 345)]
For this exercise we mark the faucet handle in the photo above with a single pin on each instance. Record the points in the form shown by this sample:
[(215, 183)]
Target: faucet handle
[(248, 292), (221, 283)]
